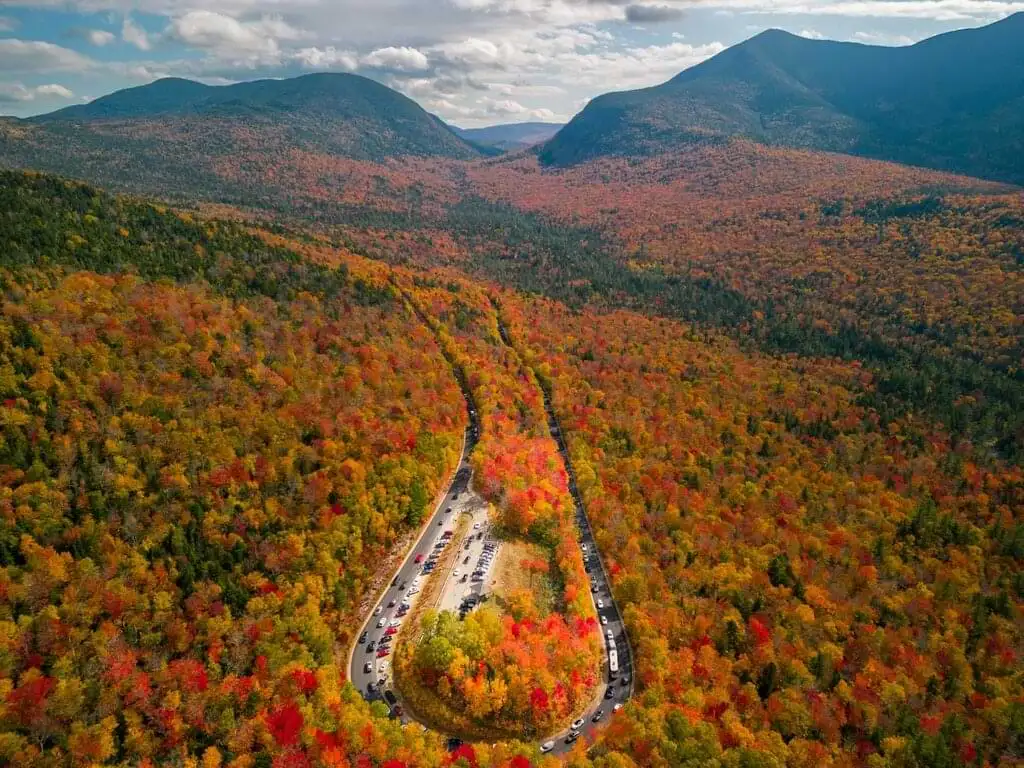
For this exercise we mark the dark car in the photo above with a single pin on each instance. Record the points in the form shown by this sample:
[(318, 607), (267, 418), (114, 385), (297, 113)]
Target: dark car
[(572, 737), (371, 647), (362, 638), (464, 577), (390, 698), (609, 693), (597, 716), (392, 603), (465, 559)]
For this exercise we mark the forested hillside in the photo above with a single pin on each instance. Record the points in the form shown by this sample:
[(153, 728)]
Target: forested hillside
[(952, 102), (208, 447), (804, 583), (214, 436)]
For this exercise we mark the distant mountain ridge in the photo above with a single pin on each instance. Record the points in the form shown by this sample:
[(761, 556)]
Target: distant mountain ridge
[(953, 102), (338, 113), (510, 136)]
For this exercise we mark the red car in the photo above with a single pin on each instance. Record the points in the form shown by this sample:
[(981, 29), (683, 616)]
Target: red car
[(382, 653), (419, 559), (391, 631)]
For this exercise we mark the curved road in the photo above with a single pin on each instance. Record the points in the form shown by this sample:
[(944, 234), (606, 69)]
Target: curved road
[(613, 692), (388, 607)]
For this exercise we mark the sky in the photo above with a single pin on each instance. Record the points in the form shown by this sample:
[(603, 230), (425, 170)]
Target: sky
[(473, 62)]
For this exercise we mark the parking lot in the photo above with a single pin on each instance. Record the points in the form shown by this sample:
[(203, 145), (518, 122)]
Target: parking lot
[(474, 561)]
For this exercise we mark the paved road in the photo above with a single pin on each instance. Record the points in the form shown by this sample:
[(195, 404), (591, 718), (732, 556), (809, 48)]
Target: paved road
[(376, 683), (389, 604), (619, 690)]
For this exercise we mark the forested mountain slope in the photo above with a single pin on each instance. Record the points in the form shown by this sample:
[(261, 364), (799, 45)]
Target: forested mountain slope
[(213, 435), (953, 102), (178, 138), (511, 136)]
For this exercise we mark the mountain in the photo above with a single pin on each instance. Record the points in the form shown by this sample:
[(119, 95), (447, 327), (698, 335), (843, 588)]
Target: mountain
[(341, 114), (953, 102), (510, 136)]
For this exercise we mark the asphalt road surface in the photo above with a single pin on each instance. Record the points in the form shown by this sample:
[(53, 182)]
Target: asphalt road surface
[(374, 681)]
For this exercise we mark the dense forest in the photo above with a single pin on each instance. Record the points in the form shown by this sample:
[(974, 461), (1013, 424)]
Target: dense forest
[(804, 583), (208, 446), (215, 435)]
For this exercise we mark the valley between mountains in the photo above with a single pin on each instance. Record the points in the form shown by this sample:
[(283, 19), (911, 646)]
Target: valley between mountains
[(686, 434)]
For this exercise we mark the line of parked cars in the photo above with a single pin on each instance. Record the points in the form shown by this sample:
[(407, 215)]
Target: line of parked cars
[(483, 564)]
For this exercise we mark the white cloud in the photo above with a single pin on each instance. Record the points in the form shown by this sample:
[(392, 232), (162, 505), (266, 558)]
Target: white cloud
[(326, 58), (36, 56), (16, 92), (100, 37), (224, 36), (135, 35), (881, 38), (7, 24), (812, 34), (403, 59)]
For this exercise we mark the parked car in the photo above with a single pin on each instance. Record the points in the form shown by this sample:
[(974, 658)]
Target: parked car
[(382, 653), (380, 622), (609, 692), (604, 621), (377, 610), (616, 708), (577, 724), (390, 631), (546, 747), (419, 559), (600, 604), (572, 737), (392, 603), (368, 668), (362, 638), (371, 647), (464, 577), (465, 560), (597, 716)]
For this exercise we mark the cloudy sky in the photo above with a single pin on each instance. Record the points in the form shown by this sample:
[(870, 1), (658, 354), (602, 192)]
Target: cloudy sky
[(474, 62)]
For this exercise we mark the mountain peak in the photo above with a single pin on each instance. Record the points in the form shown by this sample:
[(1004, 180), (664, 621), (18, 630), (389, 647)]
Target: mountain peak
[(951, 102), (333, 113)]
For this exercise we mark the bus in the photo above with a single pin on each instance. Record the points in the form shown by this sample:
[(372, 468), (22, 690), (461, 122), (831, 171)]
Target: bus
[(613, 664)]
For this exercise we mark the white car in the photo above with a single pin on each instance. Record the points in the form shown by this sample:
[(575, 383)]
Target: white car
[(377, 610), (616, 708), (604, 621), (380, 622), (396, 622), (475, 526), (455, 573), (546, 747), (600, 604), (608, 633), (577, 724)]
